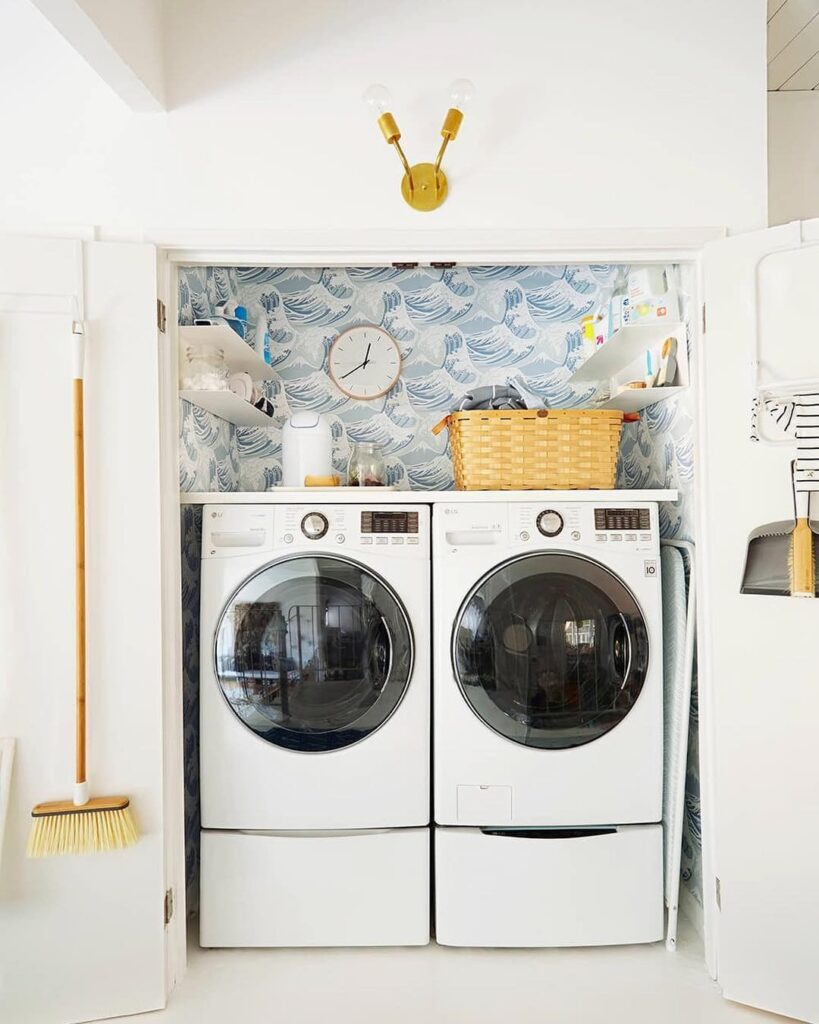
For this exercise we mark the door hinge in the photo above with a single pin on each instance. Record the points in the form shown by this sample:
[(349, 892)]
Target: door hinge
[(718, 892), (405, 266), (443, 265), (161, 315), (168, 910), (703, 318)]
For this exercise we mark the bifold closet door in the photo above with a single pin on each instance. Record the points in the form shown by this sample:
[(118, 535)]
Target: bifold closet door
[(81, 937), (759, 686)]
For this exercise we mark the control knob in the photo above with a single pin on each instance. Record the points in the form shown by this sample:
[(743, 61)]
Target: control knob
[(314, 525), (550, 523)]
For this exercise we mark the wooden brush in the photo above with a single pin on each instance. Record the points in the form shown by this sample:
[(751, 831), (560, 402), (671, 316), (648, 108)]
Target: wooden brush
[(802, 558), (81, 825)]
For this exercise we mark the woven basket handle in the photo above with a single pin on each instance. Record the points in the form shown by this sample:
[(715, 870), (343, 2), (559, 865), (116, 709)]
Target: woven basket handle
[(440, 425)]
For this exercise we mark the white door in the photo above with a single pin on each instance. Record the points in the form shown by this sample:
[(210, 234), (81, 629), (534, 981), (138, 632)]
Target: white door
[(81, 937), (759, 654)]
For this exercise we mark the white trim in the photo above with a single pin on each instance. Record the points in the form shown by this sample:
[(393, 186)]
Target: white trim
[(709, 912), (172, 696), (293, 248), (383, 496)]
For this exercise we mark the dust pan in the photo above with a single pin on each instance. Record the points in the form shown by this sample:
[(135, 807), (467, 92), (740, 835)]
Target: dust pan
[(82, 824), (782, 556)]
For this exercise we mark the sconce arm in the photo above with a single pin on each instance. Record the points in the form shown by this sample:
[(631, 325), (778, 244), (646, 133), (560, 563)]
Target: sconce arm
[(404, 161)]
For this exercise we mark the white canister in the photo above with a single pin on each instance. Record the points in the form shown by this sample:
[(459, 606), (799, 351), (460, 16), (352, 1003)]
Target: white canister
[(307, 448)]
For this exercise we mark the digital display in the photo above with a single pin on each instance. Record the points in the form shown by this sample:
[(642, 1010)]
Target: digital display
[(622, 519), (389, 522)]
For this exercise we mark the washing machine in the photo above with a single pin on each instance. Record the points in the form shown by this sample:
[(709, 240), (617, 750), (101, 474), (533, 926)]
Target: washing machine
[(315, 725), (548, 723)]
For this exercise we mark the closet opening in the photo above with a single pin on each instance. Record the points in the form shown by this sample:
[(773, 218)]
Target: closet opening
[(254, 344)]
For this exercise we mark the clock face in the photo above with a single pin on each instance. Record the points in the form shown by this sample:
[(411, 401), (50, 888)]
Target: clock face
[(364, 362)]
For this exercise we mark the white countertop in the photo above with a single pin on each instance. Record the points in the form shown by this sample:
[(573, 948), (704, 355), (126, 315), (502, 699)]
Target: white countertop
[(381, 496)]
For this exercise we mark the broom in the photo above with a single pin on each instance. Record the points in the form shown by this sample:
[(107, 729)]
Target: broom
[(85, 824), (802, 560)]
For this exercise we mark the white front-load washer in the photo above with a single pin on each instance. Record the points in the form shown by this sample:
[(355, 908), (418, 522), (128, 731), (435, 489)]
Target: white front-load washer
[(315, 725), (548, 723)]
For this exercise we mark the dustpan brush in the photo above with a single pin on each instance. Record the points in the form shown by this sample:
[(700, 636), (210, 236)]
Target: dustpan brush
[(82, 824), (802, 556)]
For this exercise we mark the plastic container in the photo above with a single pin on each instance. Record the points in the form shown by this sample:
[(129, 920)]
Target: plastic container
[(205, 369)]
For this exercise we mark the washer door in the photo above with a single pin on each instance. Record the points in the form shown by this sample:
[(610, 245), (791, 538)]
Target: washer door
[(550, 650), (314, 653)]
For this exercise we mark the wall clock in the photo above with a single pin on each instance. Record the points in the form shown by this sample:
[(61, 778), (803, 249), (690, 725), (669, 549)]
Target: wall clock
[(364, 362)]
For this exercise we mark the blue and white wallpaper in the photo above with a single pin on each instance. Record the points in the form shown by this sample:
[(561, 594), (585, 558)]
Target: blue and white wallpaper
[(457, 329)]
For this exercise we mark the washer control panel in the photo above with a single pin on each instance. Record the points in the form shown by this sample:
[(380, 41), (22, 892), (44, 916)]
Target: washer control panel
[(349, 526), (630, 527)]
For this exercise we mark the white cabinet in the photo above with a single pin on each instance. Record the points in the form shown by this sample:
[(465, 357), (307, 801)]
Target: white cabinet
[(758, 655), (81, 937)]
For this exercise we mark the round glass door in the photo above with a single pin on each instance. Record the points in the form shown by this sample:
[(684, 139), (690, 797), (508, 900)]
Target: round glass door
[(313, 653), (550, 650)]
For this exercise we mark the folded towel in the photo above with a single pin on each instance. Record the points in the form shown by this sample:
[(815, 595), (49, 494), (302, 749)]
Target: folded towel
[(494, 396)]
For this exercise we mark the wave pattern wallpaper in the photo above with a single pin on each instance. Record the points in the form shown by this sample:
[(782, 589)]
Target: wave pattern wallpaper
[(457, 329)]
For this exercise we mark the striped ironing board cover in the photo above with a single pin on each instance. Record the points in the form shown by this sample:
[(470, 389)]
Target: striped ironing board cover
[(799, 419)]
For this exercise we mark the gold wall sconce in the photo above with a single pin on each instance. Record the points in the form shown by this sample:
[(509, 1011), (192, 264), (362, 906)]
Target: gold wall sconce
[(424, 186)]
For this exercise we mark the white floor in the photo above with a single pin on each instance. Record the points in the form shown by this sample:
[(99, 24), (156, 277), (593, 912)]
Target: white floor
[(432, 984)]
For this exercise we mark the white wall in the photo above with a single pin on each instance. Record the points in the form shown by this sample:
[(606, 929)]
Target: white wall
[(640, 113), (793, 156)]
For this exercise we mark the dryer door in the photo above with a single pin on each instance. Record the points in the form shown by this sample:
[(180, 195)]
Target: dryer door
[(313, 653), (550, 650)]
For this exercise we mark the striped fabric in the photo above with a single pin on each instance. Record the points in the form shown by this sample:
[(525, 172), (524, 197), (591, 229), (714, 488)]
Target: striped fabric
[(799, 420)]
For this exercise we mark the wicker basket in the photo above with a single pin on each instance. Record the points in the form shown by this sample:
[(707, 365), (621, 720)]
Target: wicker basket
[(534, 449)]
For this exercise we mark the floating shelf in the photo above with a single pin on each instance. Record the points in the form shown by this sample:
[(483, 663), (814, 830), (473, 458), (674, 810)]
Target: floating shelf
[(382, 496), (239, 356), (635, 399), (626, 346), (229, 406)]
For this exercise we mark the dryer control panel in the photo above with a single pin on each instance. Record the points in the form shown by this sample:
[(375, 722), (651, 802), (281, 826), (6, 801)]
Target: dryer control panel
[(631, 527), (623, 526)]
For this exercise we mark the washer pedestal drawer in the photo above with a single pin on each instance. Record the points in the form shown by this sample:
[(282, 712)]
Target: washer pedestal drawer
[(357, 888), (548, 887)]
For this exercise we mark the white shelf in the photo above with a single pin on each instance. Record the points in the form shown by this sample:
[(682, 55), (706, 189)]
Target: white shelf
[(239, 356), (229, 406), (380, 496), (635, 399), (625, 346)]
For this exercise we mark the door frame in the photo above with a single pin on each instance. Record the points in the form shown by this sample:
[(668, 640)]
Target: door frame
[(375, 247)]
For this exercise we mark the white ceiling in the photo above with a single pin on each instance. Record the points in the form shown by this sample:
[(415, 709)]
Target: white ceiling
[(793, 44)]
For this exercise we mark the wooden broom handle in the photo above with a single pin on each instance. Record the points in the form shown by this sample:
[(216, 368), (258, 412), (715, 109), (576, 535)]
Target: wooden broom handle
[(79, 579)]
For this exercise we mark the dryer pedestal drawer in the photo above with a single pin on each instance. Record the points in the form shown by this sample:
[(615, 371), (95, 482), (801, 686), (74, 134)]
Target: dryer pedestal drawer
[(358, 888), (534, 888)]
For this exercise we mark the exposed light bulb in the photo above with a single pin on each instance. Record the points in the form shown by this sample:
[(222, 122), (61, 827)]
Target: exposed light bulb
[(378, 100), (461, 93)]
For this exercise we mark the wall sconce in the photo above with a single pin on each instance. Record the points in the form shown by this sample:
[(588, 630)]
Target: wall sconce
[(424, 186)]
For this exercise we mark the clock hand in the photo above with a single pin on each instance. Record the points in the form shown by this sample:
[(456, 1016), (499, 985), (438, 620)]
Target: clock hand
[(347, 374), (367, 355)]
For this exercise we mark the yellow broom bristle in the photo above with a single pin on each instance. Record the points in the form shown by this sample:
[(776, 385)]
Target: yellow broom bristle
[(80, 831)]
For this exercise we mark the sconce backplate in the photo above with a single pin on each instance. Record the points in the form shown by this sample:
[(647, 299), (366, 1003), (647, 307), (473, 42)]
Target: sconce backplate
[(424, 195)]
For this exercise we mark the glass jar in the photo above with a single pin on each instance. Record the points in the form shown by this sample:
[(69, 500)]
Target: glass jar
[(366, 467), (205, 369)]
